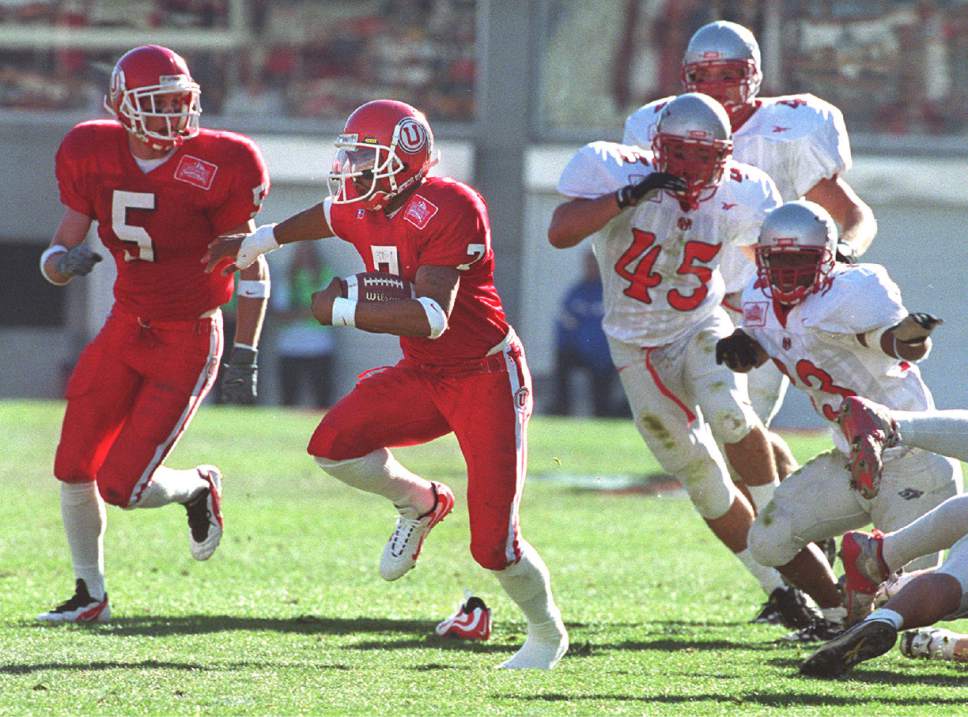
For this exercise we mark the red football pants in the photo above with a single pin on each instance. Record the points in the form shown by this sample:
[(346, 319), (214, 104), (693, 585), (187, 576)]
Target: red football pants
[(133, 392), (487, 406)]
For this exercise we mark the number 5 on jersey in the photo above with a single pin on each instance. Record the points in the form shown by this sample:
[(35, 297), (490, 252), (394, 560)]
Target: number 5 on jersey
[(121, 202)]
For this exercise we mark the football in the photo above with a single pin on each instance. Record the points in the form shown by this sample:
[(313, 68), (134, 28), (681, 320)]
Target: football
[(376, 286)]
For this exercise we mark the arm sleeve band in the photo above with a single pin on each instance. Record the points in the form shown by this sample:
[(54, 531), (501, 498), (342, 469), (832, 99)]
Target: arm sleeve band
[(436, 316), (55, 249), (254, 289)]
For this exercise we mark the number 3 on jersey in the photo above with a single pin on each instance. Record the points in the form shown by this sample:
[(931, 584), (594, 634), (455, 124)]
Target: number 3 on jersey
[(121, 202), (643, 255)]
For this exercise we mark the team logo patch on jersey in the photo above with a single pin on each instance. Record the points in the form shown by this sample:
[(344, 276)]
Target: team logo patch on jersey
[(195, 171), (777, 129), (754, 312), (787, 343), (420, 211), (910, 493)]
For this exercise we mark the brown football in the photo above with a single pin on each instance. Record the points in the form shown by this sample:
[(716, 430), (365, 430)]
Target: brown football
[(376, 286)]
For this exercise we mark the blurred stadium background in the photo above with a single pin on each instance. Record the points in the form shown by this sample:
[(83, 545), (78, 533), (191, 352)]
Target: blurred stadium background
[(512, 88)]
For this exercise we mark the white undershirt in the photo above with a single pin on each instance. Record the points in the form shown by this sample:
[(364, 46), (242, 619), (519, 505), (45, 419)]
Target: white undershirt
[(147, 165)]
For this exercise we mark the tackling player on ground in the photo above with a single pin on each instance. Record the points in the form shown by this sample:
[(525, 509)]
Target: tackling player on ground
[(463, 370), (662, 220), (870, 559), (160, 189), (835, 330)]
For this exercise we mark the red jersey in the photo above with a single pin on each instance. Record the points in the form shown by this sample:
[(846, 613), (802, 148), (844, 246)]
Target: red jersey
[(158, 225), (443, 223)]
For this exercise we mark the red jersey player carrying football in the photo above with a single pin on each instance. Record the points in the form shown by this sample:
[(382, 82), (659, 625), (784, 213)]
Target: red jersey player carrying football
[(160, 190), (463, 369)]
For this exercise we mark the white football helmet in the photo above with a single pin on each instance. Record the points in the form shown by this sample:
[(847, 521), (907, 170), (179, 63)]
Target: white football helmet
[(729, 48), (796, 250), (693, 141)]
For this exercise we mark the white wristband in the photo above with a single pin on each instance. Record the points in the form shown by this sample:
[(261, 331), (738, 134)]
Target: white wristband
[(254, 288), (51, 250), (435, 316), (873, 338), (259, 242), (344, 312)]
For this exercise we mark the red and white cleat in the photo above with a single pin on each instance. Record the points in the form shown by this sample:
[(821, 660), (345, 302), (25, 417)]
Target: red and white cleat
[(80, 608), (869, 429), (865, 569), (472, 621), (205, 515), (403, 548)]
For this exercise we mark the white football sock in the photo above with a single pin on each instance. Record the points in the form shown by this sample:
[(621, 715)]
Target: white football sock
[(936, 530), (768, 578), (944, 432), (528, 584), (168, 485), (379, 472), (82, 511), (762, 495), (836, 615)]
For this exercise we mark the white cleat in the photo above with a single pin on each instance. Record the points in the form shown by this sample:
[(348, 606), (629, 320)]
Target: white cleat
[(547, 643), (205, 515), (81, 608), (403, 548)]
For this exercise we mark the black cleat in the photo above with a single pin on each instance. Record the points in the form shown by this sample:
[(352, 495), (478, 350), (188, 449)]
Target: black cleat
[(80, 608), (789, 607), (817, 631), (863, 641)]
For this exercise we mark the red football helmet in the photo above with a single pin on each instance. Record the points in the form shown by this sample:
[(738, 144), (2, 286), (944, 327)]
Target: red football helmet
[(154, 96), (386, 148)]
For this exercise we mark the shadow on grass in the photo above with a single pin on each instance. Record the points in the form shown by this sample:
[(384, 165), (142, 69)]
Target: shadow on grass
[(767, 700), (204, 624), (679, 644), (27, 669), (878, 677)]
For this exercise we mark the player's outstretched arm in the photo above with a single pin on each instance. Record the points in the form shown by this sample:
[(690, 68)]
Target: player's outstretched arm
[(855, 218), (578, 218), (67, 257), (426, 316), (239, 251)]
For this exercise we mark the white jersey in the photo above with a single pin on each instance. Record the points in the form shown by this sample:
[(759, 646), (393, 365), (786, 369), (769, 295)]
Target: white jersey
[(659, 263), (796, 139), (818, 349)]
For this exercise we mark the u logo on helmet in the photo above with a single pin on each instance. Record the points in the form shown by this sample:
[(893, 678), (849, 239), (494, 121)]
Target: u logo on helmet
[(413, 136), (117, 83)]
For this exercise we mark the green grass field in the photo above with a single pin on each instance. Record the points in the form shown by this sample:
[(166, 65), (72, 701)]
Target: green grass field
[(291, 616)]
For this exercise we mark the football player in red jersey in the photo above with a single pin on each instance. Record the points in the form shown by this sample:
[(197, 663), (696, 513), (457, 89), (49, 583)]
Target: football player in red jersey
[(160, 189), (463, 370)]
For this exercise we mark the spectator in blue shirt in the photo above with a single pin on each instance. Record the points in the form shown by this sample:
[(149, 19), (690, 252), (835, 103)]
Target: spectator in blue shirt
[(580, 345)]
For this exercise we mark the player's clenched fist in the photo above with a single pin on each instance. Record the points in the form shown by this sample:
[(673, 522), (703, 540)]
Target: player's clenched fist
[(740, 352), (322, 306)]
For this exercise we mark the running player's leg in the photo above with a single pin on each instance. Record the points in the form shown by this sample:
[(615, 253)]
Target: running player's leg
[(489, 413)]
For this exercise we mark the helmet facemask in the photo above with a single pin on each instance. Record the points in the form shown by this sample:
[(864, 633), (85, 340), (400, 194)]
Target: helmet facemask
[(700, 162), (162, 115), (790, 272), (368, 172), (733, 83)]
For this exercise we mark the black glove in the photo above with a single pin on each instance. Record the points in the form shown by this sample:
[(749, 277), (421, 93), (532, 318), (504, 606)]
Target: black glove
[(240, 376), (78, 261), (915, 328), (632, 194), (846, 253), (738, 351)]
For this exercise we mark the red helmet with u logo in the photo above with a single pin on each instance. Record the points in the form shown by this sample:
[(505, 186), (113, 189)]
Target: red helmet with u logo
[(386, 148)]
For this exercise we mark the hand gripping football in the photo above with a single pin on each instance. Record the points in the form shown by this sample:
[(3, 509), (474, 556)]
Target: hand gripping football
[(376, 286)]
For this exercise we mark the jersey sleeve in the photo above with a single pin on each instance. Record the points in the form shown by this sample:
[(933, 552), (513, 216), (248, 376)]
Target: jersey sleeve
[(248, 186), (69, 168), (756, 196), (640, 125), (861, 298), (594, 170), (825, 151), (460, 236)]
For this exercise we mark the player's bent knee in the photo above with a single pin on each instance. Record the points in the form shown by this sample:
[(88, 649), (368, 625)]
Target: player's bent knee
[(710, 488), (771, 540), (113, 494), (732, 425), (490, 555), (331, 443)]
